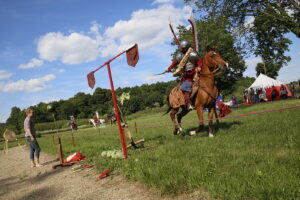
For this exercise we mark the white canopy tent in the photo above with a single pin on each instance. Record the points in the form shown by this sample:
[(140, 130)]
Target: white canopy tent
[(263, 81)]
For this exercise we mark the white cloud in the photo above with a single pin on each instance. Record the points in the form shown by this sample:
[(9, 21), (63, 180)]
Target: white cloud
[(163, 1), (298, 53), (32, 85), (154, 77), (4, 74), (253, 62), (34, 62), (3, 119), (61, 70), (147, 27), (71, 49)]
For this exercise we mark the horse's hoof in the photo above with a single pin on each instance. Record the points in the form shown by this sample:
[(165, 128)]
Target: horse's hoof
[(180, 129), (210, 135), (192, 133), (175, 132)]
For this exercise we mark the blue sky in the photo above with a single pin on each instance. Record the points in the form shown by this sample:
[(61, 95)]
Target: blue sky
[(47, 47)]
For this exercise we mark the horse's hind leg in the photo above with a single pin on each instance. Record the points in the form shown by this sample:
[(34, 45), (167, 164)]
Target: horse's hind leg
[(172, 115), (180, 116)]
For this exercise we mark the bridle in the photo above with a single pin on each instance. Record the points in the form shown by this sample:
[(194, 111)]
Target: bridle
[(216, 71)]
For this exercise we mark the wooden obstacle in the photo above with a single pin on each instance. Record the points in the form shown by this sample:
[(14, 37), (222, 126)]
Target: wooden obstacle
[(132, 142), (60, 155), (9, 136)]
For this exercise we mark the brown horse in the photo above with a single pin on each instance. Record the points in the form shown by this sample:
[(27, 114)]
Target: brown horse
[(213, 65)]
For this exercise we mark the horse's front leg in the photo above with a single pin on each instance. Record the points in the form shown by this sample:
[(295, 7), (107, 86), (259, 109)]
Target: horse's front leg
[(211, 113), (200, 118)]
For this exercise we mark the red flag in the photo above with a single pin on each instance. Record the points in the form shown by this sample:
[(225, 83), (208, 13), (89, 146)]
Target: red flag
[(91, 79), (132, 55)]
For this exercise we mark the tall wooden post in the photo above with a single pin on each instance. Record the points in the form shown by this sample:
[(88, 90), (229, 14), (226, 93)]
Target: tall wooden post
[(117, 112), (60, 151), (135, 127)]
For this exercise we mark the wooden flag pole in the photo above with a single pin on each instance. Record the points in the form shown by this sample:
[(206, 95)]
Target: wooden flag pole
[(117, 112)]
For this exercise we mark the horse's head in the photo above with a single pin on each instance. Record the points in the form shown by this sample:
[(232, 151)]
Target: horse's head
[(214, 62)]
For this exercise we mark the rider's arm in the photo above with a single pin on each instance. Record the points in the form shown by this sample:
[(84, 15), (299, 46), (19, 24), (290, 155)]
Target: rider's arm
[(174, 63)]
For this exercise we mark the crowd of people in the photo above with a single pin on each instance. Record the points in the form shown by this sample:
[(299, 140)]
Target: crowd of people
[(258, 95), (255, 95)]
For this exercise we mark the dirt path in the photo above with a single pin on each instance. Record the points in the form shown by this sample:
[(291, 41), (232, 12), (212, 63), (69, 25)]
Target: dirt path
[(20, 181)]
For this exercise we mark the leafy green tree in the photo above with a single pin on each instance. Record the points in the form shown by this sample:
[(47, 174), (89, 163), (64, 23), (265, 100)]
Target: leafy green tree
[(65, 110), (271, 44), (14, 121), (213, 33), (285, 12), (271, 20)]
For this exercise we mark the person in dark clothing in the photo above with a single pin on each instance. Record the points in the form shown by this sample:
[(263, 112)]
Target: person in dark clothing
[(31, 139), (283, 92), (274, 93)]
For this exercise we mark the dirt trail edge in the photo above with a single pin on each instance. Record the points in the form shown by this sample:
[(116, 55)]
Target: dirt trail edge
[(18, 180)]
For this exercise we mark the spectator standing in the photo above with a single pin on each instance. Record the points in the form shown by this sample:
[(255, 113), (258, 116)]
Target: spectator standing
[(251, 95), (256, 96), (274, 93), (245, 96), (30, 137), (220, 98), (283, 92), (293, 89)]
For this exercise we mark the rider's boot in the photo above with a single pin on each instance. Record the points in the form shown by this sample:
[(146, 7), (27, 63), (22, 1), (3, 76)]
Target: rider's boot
[(187, 99)]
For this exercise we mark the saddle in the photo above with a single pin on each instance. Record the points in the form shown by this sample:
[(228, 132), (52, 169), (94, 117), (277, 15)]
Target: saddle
[(176, 96)]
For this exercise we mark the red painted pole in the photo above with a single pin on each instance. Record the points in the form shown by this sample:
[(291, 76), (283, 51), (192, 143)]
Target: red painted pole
[(117, 111)]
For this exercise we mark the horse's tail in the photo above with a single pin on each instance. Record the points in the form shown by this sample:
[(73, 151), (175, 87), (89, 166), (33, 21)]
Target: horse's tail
[(169, 108)]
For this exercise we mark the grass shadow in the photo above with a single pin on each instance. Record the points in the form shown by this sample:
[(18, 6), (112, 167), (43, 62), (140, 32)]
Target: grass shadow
[(216, 128)]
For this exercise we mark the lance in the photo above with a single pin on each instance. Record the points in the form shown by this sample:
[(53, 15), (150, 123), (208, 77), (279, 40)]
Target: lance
[(172, 30)]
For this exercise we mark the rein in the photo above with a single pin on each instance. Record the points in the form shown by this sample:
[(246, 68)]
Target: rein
[(209, 93)]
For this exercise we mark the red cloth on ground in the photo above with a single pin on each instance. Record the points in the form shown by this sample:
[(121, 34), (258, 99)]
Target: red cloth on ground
[(224, 109)]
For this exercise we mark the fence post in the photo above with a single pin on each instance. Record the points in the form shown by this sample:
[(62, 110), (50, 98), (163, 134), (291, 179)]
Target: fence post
[(135, 126)]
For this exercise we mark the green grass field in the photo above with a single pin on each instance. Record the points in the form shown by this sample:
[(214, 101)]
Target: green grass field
[(252, 157)]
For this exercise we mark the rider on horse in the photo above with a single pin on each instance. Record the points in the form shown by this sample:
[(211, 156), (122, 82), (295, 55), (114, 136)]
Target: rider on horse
[(191, 63)]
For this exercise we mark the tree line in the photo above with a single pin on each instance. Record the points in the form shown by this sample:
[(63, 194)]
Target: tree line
[(83, 105)]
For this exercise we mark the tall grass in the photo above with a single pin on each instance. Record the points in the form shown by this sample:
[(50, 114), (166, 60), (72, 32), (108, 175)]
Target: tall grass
[(253, 157)]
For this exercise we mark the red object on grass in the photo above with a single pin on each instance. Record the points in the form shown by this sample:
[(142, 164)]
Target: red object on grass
[(104, 174), (75, 157), (224, 109)]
